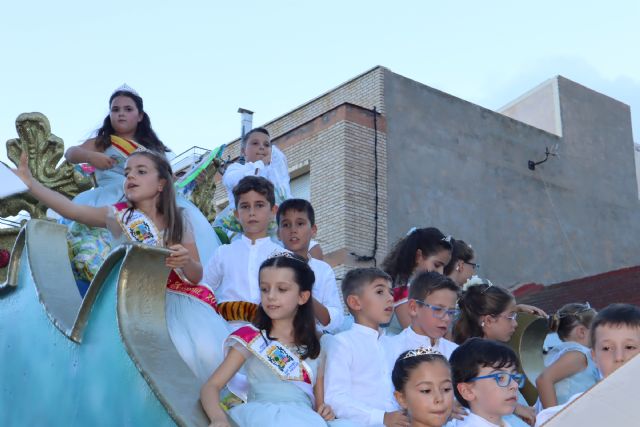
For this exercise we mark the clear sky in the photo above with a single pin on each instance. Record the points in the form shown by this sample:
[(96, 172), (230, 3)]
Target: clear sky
[(196, 62)]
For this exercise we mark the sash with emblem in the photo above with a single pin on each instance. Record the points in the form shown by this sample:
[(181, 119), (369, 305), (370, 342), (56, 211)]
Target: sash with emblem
[(139, 228), (284, 362)]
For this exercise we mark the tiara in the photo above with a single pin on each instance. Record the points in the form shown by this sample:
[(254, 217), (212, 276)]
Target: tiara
[(286, 254), (411, 230), (421, 351), (447, 239), (126, 88)]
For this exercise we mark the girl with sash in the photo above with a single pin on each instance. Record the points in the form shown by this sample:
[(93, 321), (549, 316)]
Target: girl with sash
[(150, 216), (280, 354), (125, 129)]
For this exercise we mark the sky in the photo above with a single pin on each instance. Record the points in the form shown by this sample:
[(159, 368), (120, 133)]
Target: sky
[(196, 62)]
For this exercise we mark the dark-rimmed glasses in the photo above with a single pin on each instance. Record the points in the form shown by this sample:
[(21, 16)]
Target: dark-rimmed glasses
[(475, 265), (440, 312), (503, 379)]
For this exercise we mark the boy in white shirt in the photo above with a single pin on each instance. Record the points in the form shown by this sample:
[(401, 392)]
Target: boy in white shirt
[(615, 339), (486, 380), (232, 271), (432, 308), (357, 377), (296, 228)]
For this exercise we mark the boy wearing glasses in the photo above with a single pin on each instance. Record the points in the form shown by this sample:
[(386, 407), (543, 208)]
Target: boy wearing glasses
[(486, 380), (432, 308)]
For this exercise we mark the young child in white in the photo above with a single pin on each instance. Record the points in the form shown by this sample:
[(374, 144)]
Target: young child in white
[(296, 228), (615, 339), (281, 355), (423, 387), (569, 366), (358, 378), (486, 380), (232, 272)]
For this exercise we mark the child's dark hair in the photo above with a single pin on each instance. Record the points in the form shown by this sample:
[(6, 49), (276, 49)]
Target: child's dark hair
[(358, 278), (616, 315), (245, 139), (401, 261), (475, 302), (569, 316), (258, 184), (304, 323), (298, 205), (405, 364), (428, 282), (476, 353), (144, 132), (167, 206), (461, 251)]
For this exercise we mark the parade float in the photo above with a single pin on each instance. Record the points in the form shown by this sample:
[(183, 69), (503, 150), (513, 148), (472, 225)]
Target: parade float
[(107, 358)]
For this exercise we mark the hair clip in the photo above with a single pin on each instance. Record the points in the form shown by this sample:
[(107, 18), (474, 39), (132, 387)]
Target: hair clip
[(126, 88), (476, 281), (422, 351), (447, 239), (411, 230)]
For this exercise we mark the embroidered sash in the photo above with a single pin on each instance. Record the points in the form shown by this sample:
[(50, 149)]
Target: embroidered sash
[(139, 228), (283, 362), (123, 146)]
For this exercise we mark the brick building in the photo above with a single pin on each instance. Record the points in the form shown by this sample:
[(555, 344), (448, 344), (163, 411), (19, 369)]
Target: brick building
[(445, 162)]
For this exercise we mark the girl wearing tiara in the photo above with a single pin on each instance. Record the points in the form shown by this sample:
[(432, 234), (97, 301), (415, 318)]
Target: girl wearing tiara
[(126, 128), (569, 366), (280, 354), (149, 215), (422, 249), (423, 387)]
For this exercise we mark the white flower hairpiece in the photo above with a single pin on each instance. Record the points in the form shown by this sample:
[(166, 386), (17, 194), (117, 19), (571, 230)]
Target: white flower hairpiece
[(421, 351), (476, 281)]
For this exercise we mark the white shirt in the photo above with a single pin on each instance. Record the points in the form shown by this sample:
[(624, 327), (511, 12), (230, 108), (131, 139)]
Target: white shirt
[(325, 290), (473, 420), (408, 339), (232, 271), (544, 415), (357, 378)]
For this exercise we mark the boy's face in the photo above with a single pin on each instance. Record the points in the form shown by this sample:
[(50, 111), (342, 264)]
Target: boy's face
[(254, 212), (614, 346), (295, 231), (486, 398), (374, 305), (432, 322), (258, 148)]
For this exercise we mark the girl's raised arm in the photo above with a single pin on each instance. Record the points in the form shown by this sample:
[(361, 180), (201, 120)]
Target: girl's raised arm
[(89, 215), (210, 392)]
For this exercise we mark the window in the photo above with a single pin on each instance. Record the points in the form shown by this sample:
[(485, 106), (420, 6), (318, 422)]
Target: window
[(301, 186)]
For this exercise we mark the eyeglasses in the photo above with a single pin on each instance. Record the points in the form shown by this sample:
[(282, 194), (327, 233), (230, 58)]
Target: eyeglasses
[(510, 316), (476, 266), (440, 312), (503, 379)]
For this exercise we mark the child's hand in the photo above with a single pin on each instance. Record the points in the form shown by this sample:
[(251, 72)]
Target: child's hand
[(526, 414), (396, 419), (459, 411), (101, 161), (525, 308), (326, 412), (23, 171), (178, 258)]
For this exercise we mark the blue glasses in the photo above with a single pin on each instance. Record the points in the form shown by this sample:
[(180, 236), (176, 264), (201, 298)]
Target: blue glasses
[(440, 312), (503, 379)]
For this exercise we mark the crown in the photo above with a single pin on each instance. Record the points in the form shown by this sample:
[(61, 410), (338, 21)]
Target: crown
[(126, 88), (422, 351)]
